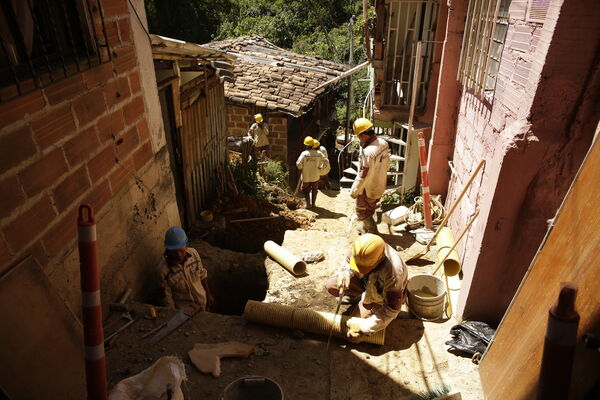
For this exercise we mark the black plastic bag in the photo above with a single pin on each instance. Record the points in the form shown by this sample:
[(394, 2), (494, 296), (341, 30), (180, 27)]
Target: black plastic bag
[(470, 337)]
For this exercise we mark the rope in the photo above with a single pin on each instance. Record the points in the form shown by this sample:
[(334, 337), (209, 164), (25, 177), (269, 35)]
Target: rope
[(414, 217)]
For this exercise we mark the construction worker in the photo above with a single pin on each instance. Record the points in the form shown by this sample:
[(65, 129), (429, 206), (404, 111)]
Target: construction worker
[(371, 180), (310, 163), (259, 132), (326, 167), (182, 276), (375, 277)]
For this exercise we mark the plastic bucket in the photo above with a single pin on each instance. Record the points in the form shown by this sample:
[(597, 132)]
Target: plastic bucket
[(426, 297), (207, 215), (253, 388)]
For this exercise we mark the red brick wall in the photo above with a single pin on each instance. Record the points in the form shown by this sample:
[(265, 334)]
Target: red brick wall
[(239, 120), (81, 139)]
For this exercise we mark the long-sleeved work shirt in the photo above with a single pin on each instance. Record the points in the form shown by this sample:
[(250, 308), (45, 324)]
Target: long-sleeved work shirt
[(326, 166), (384, 285), (259, 133), (182, 283), (310, 163), (374, 162)]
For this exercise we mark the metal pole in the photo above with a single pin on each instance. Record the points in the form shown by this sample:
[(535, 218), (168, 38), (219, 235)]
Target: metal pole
[(93, 335), (349, 95)]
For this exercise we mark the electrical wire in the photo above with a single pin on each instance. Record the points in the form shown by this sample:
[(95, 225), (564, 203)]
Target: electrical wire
[(414, 216)]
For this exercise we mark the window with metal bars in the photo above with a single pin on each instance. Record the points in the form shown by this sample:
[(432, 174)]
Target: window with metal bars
[(483, 41), (43, 41)]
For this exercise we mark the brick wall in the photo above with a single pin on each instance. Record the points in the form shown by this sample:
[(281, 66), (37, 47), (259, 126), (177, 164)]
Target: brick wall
[(83, 139), (239, 120), (511, 194)]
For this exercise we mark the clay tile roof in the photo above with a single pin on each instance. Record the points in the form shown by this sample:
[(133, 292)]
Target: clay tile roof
[(267, 74)]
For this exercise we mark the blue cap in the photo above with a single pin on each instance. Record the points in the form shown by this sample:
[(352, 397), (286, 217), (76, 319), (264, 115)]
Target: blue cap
[(175, 238)]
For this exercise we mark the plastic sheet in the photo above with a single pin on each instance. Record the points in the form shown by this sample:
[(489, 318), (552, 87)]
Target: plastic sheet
[(470, 337)]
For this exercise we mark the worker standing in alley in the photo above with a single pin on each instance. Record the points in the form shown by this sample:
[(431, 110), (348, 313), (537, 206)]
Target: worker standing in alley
[(309, 164), (374, 277), (325, 168), (259, 134), (182, 276), (371, 180)]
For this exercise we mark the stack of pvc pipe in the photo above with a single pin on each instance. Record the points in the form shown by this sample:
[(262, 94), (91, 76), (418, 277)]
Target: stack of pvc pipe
[(303, 319)]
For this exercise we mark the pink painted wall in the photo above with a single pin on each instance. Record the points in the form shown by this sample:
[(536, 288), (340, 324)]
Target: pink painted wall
[(533, 137)]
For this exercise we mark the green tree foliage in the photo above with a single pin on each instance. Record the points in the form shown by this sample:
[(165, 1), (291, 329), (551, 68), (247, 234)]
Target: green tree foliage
[(194, 21), (317, 28)]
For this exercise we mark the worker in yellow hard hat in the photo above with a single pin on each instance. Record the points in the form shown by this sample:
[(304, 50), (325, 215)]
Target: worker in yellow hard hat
[(310, 163), (375, 278), (326, 167), (259, 134), (371, 179)]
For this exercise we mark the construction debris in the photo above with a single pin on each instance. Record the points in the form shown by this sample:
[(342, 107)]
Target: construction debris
[(207, 357), (160, 381)]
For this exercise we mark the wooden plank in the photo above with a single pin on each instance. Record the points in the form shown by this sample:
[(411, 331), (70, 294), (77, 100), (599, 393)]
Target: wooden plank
[(41, 339), (510, 367)]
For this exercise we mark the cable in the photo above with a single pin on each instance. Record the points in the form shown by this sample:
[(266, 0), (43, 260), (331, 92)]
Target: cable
[(140, 21), (414, 216)]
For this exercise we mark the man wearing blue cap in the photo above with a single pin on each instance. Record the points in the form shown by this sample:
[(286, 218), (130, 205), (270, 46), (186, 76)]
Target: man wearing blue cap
[(182, 276)]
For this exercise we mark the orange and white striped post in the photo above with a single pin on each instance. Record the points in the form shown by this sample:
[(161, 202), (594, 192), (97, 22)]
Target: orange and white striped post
[(425, 182), (93, 334)]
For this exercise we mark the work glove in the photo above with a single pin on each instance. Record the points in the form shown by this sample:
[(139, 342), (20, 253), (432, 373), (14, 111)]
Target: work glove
[(355, 333)]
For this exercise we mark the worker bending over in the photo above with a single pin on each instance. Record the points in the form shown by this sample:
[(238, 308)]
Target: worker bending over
[(259, 132), (371, 180), (375, 272), (326, 167), (182, 276), (310, 163)]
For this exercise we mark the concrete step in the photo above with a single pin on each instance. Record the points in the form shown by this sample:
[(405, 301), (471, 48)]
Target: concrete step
[(350, 171), (394, 173), (346, 181), (356, 164), (395, 157)]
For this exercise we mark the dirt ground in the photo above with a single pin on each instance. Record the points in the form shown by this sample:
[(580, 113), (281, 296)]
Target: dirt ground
[(414, 359)]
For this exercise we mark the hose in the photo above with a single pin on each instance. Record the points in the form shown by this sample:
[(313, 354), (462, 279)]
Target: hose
[(414, 216)]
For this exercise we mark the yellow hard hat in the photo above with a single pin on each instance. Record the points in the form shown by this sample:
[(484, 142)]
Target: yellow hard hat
[(368, 251), (258, 118), (316, 144), (362, 125), (308, 141)]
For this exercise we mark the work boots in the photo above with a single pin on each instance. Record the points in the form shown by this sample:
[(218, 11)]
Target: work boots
[(307, 199), (367, 225), (314, 199)]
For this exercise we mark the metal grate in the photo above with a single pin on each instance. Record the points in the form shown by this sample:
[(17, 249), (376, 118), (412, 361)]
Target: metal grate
[(537, 10), (408, 21), (483, 41), (43, 41)]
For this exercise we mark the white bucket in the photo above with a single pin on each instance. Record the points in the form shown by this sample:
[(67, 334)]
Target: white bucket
[(426, 297), (253, 388)]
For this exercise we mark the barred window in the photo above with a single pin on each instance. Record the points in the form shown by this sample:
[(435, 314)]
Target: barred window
[(483, 41), (42, 41)]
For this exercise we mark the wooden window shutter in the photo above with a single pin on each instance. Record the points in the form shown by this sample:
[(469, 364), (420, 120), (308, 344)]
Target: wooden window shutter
[(537, 10)]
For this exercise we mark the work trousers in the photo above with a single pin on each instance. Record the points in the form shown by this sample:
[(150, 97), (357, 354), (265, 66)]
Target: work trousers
[(310, 187), (365, 207)]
